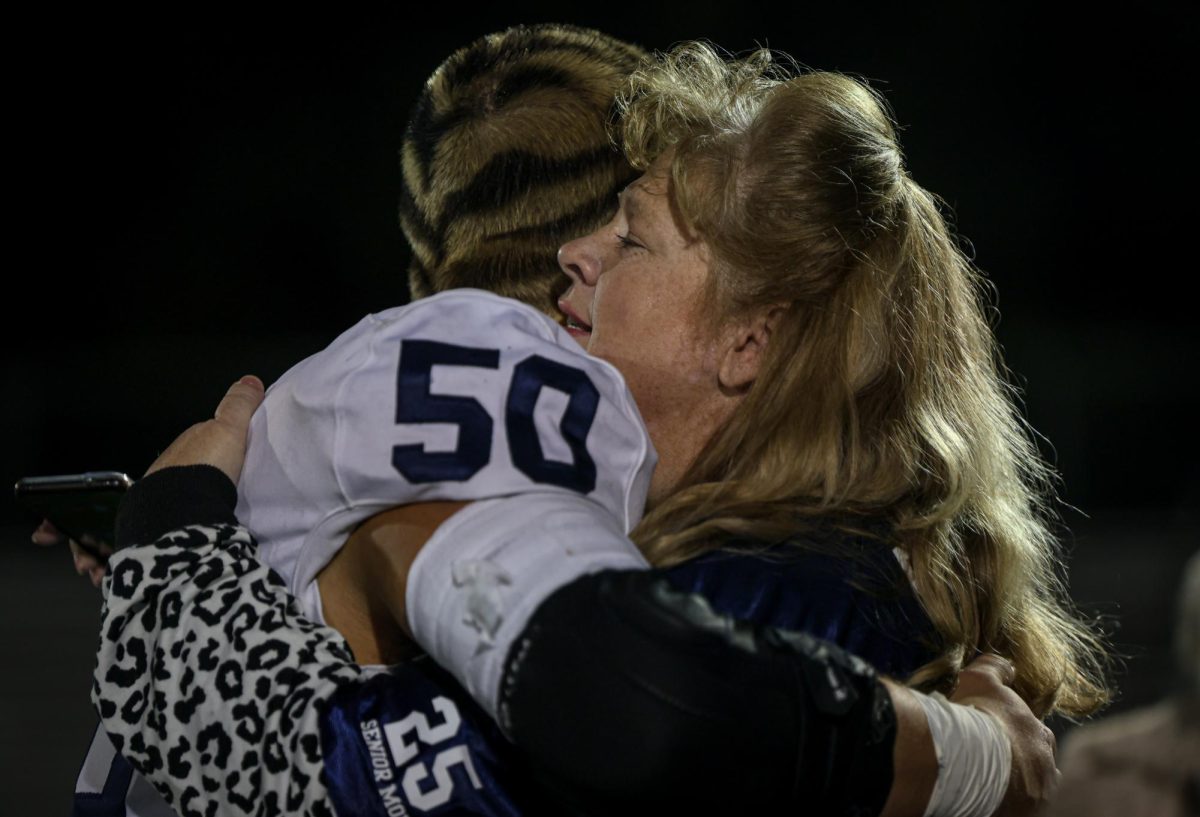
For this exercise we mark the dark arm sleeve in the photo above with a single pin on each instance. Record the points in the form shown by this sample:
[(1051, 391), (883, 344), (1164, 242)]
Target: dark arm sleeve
[(633, 697), (174, 498)]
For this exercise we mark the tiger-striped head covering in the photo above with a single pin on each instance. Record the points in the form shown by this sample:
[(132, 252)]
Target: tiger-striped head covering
[(507, 156)]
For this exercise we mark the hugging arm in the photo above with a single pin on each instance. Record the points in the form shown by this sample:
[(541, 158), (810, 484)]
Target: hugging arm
[(614, 664)]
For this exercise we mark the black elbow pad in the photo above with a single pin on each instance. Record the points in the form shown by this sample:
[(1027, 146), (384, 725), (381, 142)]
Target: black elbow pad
[(630, 696)]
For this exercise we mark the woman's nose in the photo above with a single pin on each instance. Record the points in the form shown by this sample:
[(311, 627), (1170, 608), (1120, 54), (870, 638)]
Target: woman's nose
[(579, 261)]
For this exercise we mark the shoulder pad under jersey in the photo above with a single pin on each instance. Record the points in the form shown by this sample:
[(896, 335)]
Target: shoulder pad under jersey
[(461, 396)]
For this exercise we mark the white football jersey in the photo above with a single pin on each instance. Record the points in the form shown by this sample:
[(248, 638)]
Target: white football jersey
[(461, 396)]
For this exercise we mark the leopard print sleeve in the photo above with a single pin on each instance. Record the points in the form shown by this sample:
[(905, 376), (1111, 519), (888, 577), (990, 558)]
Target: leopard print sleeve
[(209, 679)]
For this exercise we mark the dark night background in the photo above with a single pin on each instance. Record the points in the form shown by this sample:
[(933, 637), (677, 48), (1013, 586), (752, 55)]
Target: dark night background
[(202, 198)]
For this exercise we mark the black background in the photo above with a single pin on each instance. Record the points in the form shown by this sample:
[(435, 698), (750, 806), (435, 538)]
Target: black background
[(196, 198)]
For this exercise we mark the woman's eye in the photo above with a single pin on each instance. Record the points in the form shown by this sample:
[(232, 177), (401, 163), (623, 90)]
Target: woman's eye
[(625, 241)]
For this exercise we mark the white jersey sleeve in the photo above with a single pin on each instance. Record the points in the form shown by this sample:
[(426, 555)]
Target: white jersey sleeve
[(461, 396), (480, 577)]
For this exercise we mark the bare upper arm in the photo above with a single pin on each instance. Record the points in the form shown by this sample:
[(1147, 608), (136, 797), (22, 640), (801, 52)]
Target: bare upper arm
[(363, 588)]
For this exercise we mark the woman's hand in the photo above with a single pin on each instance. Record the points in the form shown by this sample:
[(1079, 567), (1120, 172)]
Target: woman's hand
[(220, 441), (985, 684), (92, 560)]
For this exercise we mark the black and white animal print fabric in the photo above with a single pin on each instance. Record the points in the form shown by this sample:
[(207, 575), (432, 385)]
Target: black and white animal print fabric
[(208, 678)]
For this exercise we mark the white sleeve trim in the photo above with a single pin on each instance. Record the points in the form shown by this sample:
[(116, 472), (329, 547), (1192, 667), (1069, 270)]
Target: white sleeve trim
[(474, 585)]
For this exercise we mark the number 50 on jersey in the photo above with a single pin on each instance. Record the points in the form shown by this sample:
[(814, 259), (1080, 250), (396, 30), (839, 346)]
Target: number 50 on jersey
[(416, 403)]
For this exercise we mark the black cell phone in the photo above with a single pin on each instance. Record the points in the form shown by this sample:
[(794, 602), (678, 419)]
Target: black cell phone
[(81, 506)]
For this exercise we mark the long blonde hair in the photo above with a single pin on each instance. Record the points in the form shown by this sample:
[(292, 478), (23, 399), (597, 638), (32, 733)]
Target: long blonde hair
[(882, 390)]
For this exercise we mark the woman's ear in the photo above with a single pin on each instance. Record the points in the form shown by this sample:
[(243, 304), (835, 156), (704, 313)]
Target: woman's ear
[(744, 347)]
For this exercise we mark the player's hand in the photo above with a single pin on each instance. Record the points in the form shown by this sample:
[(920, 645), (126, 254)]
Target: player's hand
[(86, 561), (220, 441), (985, 684)]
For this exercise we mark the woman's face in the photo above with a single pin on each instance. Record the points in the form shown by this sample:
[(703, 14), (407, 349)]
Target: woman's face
[(636, 285)]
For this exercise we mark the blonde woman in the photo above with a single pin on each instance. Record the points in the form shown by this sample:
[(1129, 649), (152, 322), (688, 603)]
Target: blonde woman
[(871, 385)]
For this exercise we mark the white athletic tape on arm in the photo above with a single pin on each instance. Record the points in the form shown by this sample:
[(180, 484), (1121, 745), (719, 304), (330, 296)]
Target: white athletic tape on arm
[(974, 759), (478, 579)]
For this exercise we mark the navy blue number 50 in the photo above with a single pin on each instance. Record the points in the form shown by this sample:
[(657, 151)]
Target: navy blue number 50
[(415, 403)]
